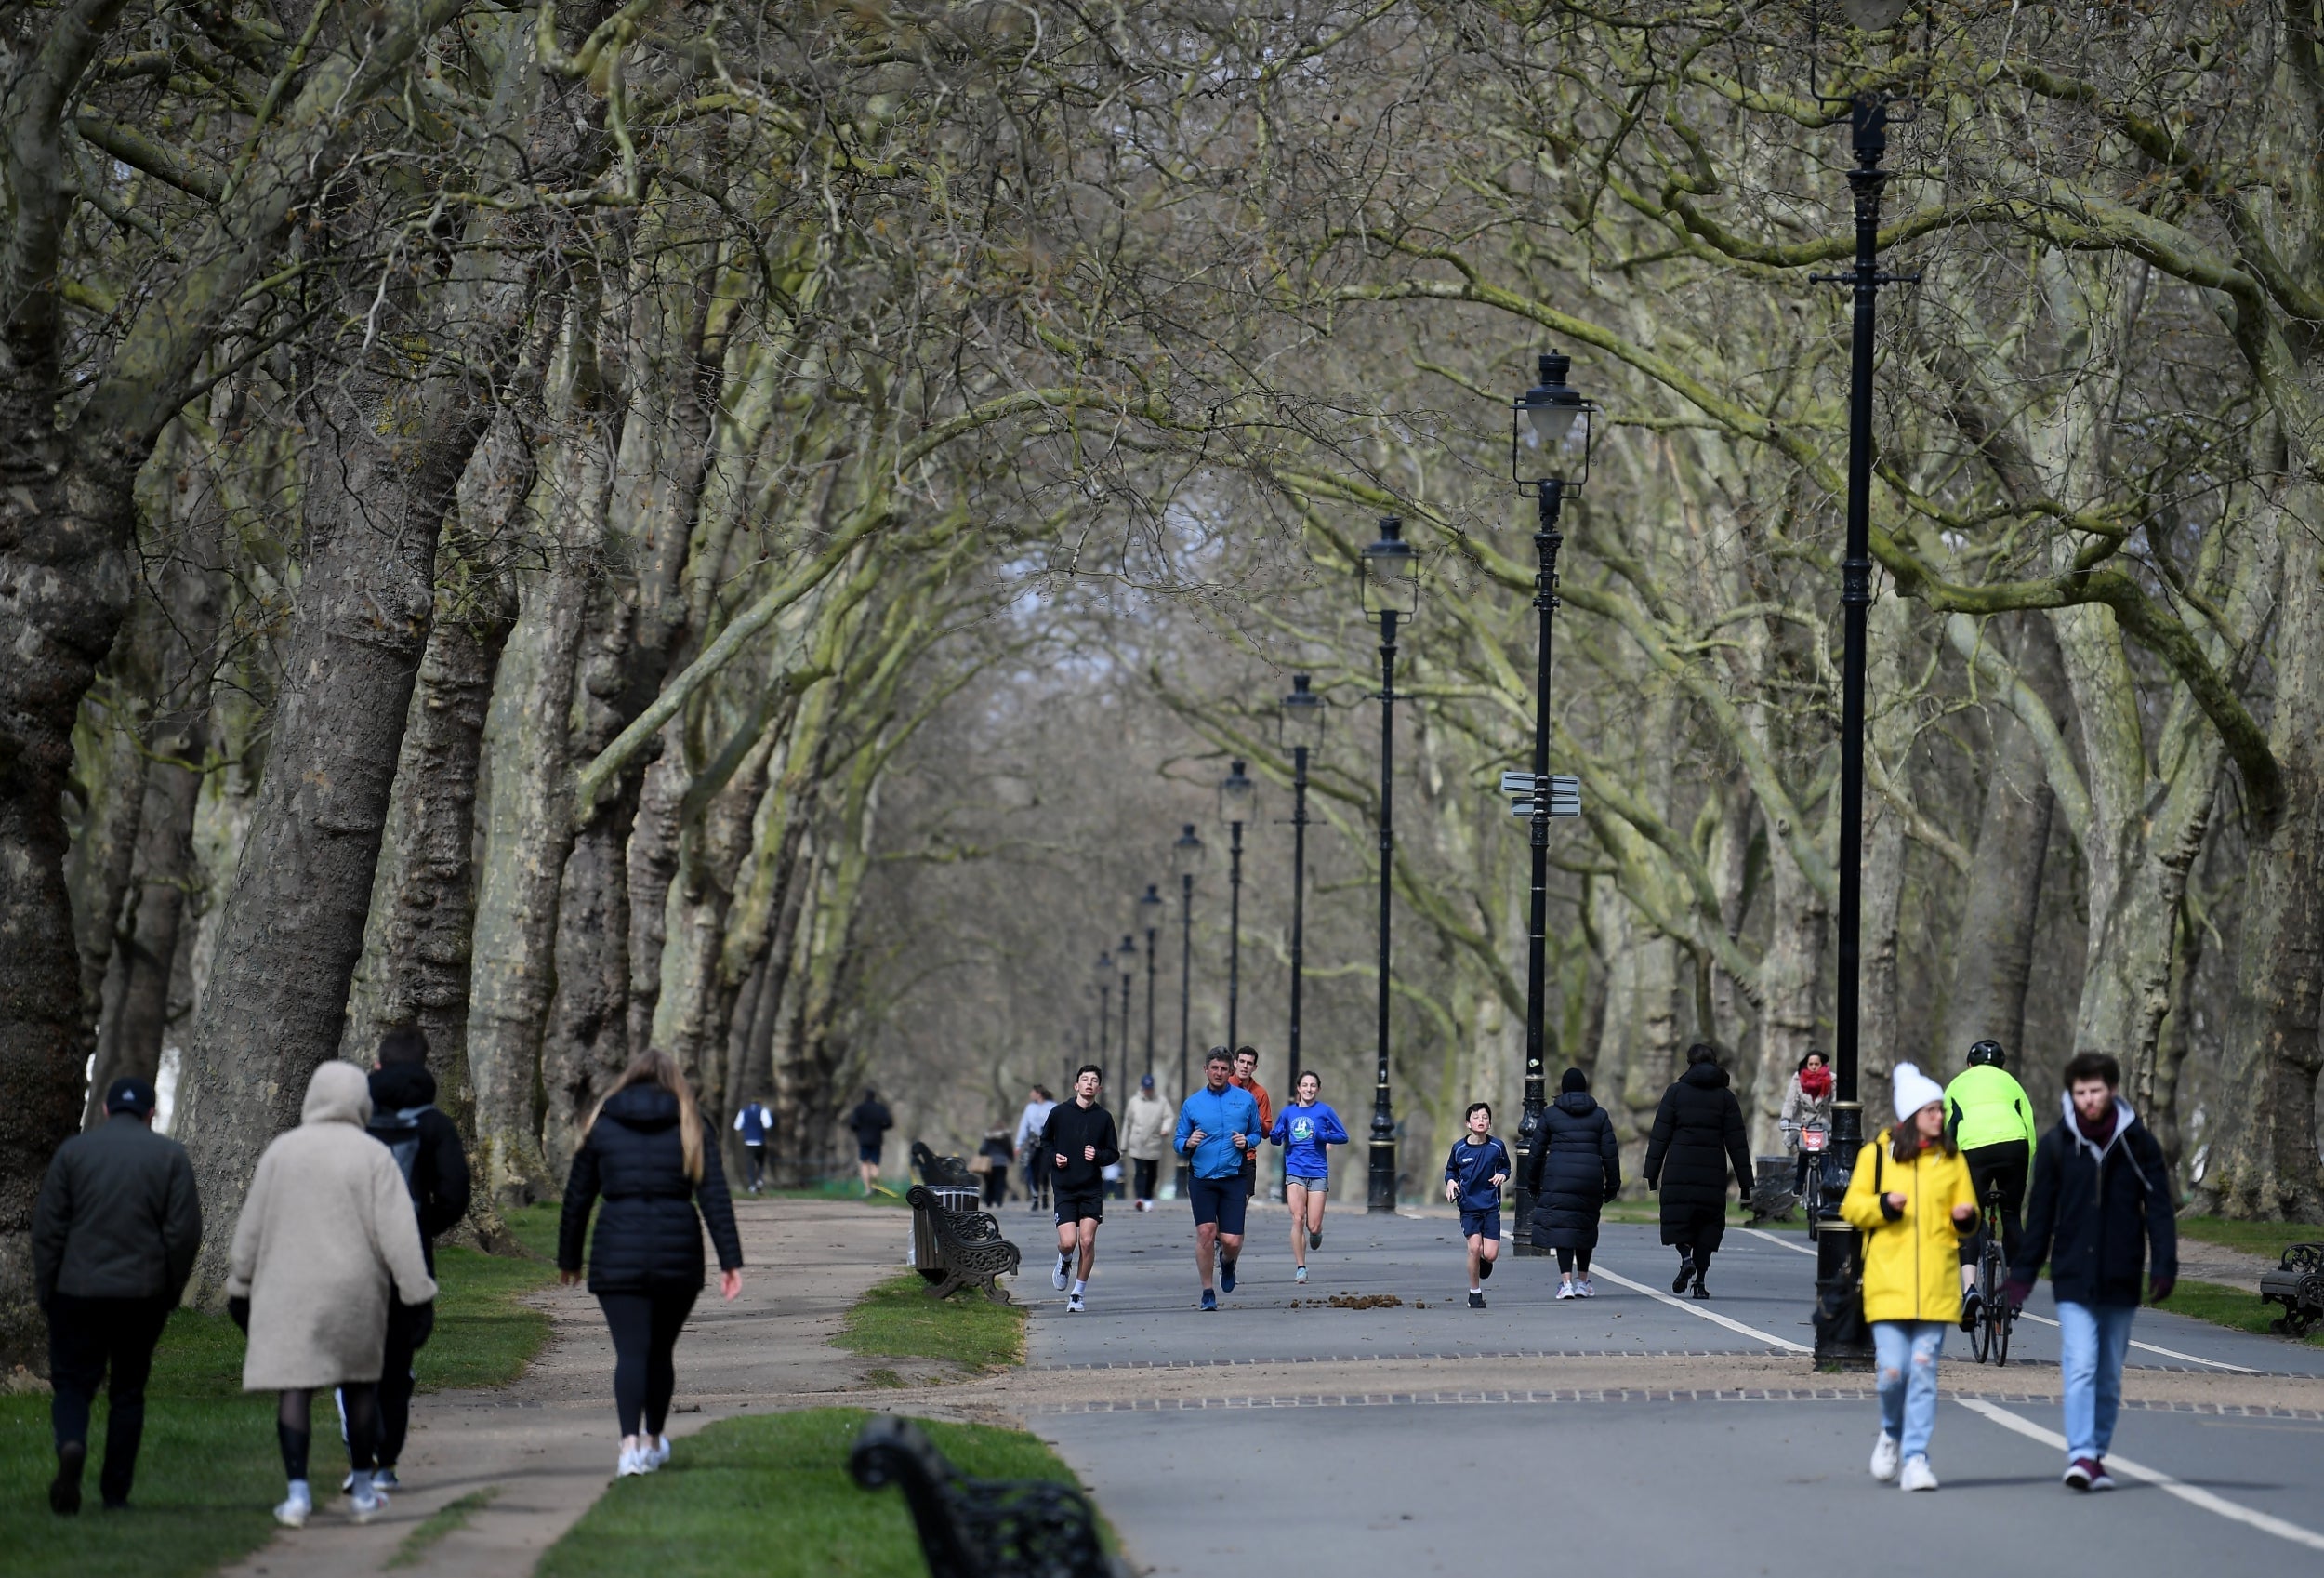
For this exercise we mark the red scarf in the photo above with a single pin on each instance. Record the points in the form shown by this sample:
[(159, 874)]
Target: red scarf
[(1815, 1083)]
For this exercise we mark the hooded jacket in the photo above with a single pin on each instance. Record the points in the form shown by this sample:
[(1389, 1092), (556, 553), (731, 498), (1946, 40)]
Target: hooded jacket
[(117, 1217), (1911, 1260), (1697, 1135), (649, 1234), (1577, 1168), (326, 1234), (2094, 1210), (403, 1115)]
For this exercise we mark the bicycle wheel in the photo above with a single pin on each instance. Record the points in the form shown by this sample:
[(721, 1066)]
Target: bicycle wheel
[(2002, 1321), (1981, 1337), (1995, 1322)]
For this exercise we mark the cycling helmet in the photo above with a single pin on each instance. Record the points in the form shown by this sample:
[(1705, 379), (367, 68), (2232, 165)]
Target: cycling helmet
[(1989, 1052)]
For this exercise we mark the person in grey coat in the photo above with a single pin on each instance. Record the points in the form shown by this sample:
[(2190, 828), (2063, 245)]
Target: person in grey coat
[(113, 1239)]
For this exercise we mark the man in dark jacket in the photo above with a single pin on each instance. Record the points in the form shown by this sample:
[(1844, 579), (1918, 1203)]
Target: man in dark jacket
[(1577, 1168), (870, 1123), (426, 1145), (113, 1239), (1698, 1134), (1078, 1143), (2101, 1199)]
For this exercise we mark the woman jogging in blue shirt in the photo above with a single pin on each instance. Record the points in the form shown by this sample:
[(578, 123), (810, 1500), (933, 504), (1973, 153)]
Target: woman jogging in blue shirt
[(1306, 1127)]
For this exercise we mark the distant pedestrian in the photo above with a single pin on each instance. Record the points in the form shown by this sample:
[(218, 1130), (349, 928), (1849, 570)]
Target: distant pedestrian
[(755, 1122), (426, 1145), (1990, 1118), (1910, 1195), (652, 1158), (999, 1155), (1807, 1100), (1247, 1078), (1029, 1123), (1145, 1139), (114, 1234), (1217, 1126), (1698, 1134), (1079, 1141), (1577, 1168), (1305, 1129), (870, 1123), (1475, 1172), (327, 1240), (2101, 1202)]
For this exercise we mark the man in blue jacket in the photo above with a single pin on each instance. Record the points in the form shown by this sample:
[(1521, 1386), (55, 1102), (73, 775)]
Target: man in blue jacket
[(1217, 1126)]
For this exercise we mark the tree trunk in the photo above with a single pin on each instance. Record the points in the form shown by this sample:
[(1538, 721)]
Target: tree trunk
[(653, 865), (1993, 956)]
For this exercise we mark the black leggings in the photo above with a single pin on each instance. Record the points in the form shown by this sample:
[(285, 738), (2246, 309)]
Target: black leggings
[(1567, 1262), (293, 1427), (1146, 1171), (645, 1328)]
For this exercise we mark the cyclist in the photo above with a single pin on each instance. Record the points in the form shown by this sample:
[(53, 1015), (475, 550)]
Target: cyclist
[(1989, 1119), (1807, 1101)]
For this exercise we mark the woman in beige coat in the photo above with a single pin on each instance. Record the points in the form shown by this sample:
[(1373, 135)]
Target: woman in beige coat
[(327, 1235)]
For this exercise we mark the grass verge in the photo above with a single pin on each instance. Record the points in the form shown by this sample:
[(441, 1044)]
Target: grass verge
[(897, 1319), (431, 1531), (842, 1190), (208, 1470), (709, 1514), (2237, 1308), (2269, 1238)]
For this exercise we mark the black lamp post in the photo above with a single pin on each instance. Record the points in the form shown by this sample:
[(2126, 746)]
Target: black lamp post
[(1543, 420), (1237, 791), (1105, 1002), (1185, 860), (1388, 577), (1150, 910), (1300, 730), (1126, 956)]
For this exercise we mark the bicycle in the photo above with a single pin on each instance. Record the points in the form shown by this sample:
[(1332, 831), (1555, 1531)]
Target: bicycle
[(1811, 1140), (1989, 1338)]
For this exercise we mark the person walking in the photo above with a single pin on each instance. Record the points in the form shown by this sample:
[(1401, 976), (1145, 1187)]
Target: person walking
[(1698, 1134), (1305, 1129), (114, 1233), (999, 1155), (1577, 1168), (650, 1154), (1079, 1141), (2100, 1205), (1246, 1077), (1989, 1117), (755, 1122), (426, 1145), (1146, 1128), (1474, 1171), (1029, 1122), (1911, 1195), (1217, 1126), (870, 1123), (1807, 1100), (328, 1239)]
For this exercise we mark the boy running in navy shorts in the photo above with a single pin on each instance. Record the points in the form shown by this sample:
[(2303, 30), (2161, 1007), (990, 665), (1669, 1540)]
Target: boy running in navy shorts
[(1474, 1175), (1217, 1126)]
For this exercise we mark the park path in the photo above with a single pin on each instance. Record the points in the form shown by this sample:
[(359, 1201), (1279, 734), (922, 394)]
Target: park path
[(541, 1450)]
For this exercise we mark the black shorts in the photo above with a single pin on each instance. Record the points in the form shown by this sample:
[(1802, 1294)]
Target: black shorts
[(1221, 1200), (867, 1153), (1085, 1207), (1251, 1176), (1482, 1224)]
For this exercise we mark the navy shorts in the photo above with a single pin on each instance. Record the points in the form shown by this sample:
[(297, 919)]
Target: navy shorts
[(1220, 1200), (1089, 1207), (867, 1153), (1482, 1224)]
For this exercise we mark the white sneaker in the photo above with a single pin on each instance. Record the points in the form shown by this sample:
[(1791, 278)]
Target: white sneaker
[(632, 1461), (1299, 1274), (1585, 1289), (296, 1506), (1885, 1458), (1073, 1304), (1057, 1278), (1565, 1290), (369, 1503), (1917, 1475), (658, 1453)]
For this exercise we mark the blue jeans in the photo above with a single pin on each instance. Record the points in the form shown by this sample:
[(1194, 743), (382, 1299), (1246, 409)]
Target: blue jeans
[(2094, 1339), (1907, 1352)]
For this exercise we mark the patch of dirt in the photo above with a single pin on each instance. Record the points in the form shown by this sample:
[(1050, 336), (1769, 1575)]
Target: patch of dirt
[(1365, 1301)]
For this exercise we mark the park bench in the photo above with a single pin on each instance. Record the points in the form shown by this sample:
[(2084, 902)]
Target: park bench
[(955, 1248), (982, 1527), (935, 1169), (2298, 1285)]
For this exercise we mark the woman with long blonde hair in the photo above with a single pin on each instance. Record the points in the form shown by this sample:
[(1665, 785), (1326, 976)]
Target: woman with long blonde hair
[(650, 1156)]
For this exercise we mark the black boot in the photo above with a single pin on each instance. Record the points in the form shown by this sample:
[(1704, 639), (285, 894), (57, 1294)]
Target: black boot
[(64, 1490), (1687, 1272), (1700, 1292)]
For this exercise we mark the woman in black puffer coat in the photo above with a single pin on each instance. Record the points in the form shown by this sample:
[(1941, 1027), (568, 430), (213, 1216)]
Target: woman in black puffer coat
[(1698, 1134), (651, 1157), (1577, 1168)]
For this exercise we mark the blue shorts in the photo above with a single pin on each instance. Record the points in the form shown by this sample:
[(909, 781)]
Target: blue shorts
[(1310, 1185), (866, 1153), (1220, 1200), (1482, 1224)]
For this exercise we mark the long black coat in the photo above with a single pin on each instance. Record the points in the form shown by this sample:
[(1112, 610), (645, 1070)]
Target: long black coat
[(648, 1235), (2094, 1217), (1577, 1168), (1698, 1134)]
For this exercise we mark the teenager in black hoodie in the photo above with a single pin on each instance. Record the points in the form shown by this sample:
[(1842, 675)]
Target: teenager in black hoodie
[(1077, 1144)]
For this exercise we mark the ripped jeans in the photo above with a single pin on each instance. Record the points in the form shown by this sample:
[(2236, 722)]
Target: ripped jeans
[(1907, 1352)]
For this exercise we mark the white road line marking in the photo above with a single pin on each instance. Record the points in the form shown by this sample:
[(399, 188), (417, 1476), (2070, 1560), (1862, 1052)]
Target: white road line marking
[(2194, 1495), (1598, 1268), (1780, 1242)]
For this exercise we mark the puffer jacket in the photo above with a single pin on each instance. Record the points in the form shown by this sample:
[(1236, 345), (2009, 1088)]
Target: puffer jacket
[(117, 1217), (405, 1118), (1577, 1168), (649, 1234), (1911, 1261), (1697, 1135)]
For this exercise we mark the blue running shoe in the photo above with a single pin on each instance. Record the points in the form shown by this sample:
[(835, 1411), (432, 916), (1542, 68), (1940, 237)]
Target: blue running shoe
[(1210, 1302), (1226, 1276)]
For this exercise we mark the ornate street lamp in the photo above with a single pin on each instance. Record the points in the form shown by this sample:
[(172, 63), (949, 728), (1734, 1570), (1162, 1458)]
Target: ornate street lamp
[(1150, 912), (1237, 792), (1299, 730), (1388, 580), (1551, 426), (1185, 860)]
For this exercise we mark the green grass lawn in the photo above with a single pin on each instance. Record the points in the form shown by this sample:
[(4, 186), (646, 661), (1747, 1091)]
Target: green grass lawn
[(209, 1470), (2238, 1308), (839, 1189), (771, 1497), (897, 1319), (2254, 1238)]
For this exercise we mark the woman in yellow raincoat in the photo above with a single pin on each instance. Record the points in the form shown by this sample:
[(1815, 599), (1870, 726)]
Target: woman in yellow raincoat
[(1911, 1195)]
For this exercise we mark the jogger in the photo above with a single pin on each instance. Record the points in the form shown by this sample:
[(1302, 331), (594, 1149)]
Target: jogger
[(1305, 1129), (1474, 1175), (1217, 1126), (1078, 1143)]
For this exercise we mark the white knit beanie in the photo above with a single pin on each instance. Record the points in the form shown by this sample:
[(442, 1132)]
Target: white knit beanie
[(1914, 1090)]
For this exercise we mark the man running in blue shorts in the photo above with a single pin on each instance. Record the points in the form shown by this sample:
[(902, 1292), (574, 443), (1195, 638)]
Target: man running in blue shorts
[(1216, 1127), (1474, 1175)]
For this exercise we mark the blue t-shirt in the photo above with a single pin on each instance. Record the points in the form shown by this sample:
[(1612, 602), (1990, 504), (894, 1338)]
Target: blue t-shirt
[(1230, 1111), (1305, 1131), (1471, 1166)]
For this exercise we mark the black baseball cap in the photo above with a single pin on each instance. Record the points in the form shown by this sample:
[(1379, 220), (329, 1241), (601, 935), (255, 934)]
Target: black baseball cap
[(133, 1096)]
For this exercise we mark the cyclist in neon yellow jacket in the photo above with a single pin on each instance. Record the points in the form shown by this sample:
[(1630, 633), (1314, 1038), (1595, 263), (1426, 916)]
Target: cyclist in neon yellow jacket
[(1989, 1116)]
